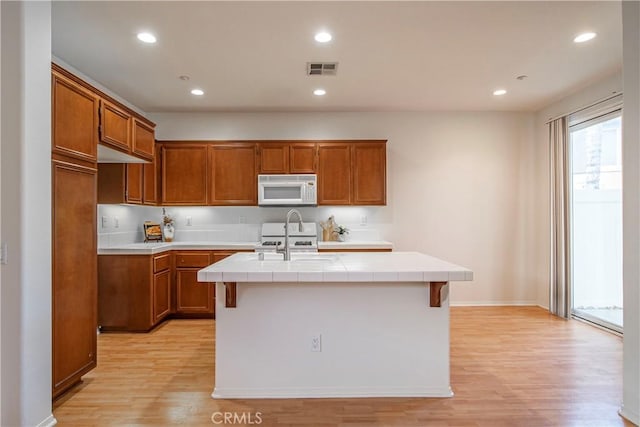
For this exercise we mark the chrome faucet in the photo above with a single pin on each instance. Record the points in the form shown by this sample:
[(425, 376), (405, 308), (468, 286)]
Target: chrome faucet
[(286, 250)]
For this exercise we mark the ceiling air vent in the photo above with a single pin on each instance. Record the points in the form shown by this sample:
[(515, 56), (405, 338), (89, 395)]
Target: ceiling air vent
[(322, 68)]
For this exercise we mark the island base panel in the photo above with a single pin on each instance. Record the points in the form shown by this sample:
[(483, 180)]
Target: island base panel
[(376, 339)]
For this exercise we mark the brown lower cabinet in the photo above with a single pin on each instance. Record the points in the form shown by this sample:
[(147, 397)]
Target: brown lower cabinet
[(193, 297), (137, 292), (134, 291)]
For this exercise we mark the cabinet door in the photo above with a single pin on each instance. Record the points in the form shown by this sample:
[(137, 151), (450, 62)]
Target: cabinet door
[(334, 173), (192, 296), (115, 127), (74, 282), (161, 295), (74, 119), (143, 140), (149, 184), (112, 183), (369, 173), (273, 157), (184, 174), (134, 183), (233, 174), (302, 157)]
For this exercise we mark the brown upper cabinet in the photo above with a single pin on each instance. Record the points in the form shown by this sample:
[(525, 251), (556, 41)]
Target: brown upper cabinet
[(334, 173), (83, 117), (273, 157), (133, 183), (369, 160), (286, 157), (150, 182), (75, 119), (115, 127), (303, 157), (184, 174), (224, 173), (232, 174), (352, 173), (143, 139)]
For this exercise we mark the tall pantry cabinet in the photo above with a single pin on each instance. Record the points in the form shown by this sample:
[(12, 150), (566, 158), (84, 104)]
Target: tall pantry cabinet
[(83, 118), (75, 120)]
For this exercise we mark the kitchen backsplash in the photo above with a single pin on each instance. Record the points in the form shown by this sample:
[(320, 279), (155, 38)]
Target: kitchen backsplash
[(122, 224)]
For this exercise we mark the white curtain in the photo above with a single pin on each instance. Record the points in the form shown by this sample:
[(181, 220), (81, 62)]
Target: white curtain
[(559, 295)]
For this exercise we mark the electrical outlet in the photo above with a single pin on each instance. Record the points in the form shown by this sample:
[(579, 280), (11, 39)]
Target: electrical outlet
[(189, 222), (316, 343), (363, 220), (242, 220), (105, 222), (116, 222)]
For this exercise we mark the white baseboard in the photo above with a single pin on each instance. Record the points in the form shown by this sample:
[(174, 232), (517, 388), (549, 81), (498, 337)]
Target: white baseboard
[(50, 421), (543, 306), (328, 392), (491, 303), (627, 414)]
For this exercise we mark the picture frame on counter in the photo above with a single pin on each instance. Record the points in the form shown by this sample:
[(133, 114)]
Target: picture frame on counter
[(152, 232)]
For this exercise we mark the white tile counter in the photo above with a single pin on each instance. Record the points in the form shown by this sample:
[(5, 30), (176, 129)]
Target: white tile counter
[(159, 247), (335, 267), (356, 245)]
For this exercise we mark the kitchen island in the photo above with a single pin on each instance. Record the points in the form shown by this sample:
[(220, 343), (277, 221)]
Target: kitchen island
[(332, 325)]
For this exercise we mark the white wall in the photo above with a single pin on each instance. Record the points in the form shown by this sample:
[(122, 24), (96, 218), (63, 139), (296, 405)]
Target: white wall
[(540, 159), (459, 184), (26, 207), (631, 210)]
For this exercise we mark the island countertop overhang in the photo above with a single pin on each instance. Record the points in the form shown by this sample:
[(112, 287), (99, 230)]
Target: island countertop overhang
[(335, 267)]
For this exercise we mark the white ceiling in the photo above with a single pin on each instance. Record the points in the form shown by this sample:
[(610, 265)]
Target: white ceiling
[(393, 56)]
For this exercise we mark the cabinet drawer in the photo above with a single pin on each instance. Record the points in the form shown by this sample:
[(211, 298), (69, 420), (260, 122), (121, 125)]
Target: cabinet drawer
[(161, 262), (186, 259)]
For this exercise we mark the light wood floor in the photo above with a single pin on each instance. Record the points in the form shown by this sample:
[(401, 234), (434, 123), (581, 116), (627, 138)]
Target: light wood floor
[(510, 366)]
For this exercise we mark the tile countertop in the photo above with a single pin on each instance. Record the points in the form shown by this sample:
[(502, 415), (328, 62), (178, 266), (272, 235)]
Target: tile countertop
[(335, 267), (155, 248), (355, 244)]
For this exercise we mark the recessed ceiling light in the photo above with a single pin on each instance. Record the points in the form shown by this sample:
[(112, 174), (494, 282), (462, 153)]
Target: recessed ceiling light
[(499, 92), (323, 37), (198, 92), (584, 37), (319, 92), (146, 37)]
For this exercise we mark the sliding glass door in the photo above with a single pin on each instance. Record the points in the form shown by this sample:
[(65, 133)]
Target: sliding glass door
[(596, 219)]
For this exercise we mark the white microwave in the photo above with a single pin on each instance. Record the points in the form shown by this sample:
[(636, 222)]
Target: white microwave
[(287, 190)]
